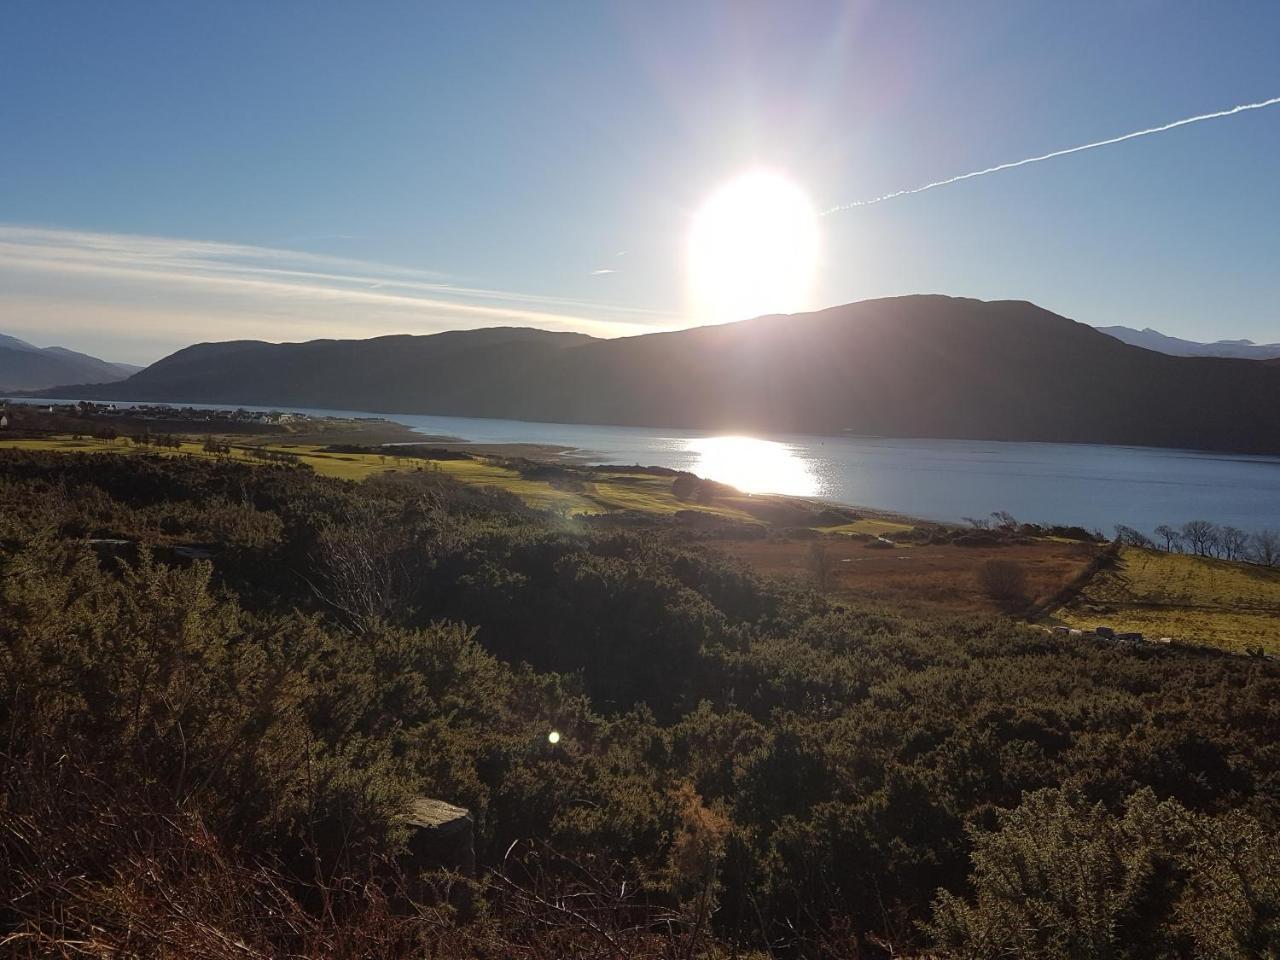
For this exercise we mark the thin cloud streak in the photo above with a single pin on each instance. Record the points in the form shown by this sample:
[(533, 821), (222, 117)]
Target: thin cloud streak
[(161, 255), (1056, 153), (263, 291), (297, 290)]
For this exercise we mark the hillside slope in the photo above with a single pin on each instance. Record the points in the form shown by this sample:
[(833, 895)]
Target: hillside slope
[(921, 366), (384, 374), (27, 367)]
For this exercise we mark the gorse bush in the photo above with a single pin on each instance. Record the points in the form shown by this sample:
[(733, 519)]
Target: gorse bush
[(1005, 583), (229, 745), (1063, 878)]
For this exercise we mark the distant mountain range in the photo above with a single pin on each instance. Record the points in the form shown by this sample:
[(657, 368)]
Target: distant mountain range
[(920, 366), (27, 367), (1163, 343)]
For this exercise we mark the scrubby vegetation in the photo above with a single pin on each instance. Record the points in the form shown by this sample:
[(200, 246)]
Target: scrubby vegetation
[(212, 758)]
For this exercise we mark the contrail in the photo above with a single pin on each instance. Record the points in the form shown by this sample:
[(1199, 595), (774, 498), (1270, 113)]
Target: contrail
[(1057, 153)]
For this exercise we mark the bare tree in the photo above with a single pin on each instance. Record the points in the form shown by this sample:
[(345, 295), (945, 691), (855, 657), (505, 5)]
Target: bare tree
[(363, 576), (1264, 548), (1171, 537), (1132, 537), (1201, 537), (978, 523), (821, 569), (1004, 520), (1005, 583), (1232, 543)]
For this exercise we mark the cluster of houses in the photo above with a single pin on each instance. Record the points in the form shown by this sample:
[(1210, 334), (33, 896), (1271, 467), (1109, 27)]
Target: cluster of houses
[(99, 419), (159, 411)]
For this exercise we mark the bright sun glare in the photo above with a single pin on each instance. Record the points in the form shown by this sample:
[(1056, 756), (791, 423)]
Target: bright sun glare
[(753, 249), (754, 466)]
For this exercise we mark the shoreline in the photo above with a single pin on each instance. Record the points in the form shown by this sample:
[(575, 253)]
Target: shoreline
[(942, 481), (540, 452), (319, 413)]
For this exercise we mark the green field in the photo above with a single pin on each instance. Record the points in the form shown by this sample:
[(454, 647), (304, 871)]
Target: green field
[(1231, 605)]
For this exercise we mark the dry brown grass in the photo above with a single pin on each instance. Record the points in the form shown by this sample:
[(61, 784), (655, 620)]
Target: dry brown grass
[(94, 868), (917, 580), (110, 868)]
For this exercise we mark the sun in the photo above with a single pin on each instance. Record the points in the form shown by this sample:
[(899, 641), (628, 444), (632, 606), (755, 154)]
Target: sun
[(753, 249)]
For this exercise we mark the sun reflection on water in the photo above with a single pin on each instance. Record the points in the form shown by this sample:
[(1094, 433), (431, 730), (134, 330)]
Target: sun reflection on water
[(754, 466)]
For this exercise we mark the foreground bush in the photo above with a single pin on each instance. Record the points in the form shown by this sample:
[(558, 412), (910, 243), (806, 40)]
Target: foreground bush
[(1062, 878), (216, 755)]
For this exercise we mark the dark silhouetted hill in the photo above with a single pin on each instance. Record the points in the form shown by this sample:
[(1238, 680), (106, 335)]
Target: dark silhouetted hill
[(920, 366)]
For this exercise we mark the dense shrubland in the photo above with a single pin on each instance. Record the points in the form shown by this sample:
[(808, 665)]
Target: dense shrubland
[(211, 758)]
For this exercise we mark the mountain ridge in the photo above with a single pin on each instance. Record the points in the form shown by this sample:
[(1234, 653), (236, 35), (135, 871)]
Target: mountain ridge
[(1177, 347), (24, 366), (919, 366)]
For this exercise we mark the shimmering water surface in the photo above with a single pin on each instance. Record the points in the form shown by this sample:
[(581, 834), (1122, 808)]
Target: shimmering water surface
[(1093, 486)]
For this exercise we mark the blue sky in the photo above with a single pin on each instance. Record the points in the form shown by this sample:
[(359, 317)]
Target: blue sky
[(172, 173)]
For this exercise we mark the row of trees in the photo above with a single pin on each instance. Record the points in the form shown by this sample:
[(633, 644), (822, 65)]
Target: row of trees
[(213, 445), (275, 456), (167, 441), (1202, 538), (1005, 523), (145, 439)]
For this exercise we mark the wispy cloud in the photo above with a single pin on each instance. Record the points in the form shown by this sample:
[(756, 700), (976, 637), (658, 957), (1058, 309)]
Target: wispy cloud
[(168, 292), (1056, 153), (602, 271)]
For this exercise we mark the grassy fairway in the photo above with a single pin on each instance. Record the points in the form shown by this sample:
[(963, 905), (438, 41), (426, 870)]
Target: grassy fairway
[(640, 492), (622, 491), (604, 493), (1196, 599), (65, 444)]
